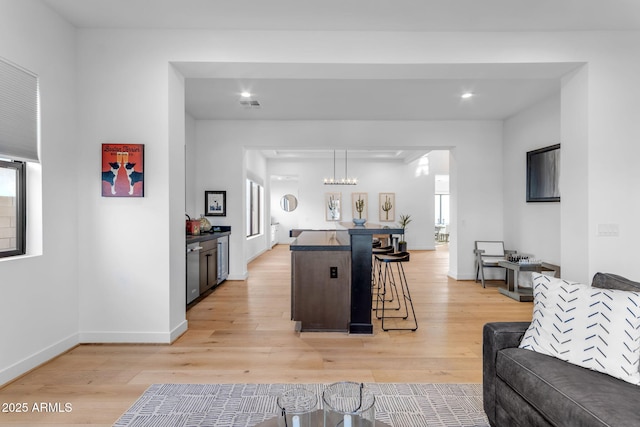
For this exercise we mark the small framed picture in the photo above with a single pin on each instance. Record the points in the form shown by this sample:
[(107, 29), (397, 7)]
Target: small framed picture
[(387, 207), (332, 206), (122, 170), (215, 203)]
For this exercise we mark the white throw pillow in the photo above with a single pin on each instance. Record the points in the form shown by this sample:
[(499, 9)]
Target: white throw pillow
[(590, 327)]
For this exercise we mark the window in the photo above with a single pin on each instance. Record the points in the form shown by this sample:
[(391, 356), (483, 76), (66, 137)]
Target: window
[(442, 209), (12, 208), (19, 137), (254, 208)]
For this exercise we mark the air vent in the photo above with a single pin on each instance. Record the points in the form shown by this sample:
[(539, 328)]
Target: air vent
[(249, 103)]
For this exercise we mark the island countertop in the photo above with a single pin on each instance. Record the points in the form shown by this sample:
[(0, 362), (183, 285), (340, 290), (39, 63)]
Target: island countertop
[(368, 228), (312, 240)]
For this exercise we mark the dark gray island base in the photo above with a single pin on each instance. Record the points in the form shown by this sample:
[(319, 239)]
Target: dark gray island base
[(357, 241)]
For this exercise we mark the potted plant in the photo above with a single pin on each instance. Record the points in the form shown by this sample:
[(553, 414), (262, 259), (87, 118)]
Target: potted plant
[(404, 221)]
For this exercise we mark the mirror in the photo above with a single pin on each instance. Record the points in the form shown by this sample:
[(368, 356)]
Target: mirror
[(288, 203)]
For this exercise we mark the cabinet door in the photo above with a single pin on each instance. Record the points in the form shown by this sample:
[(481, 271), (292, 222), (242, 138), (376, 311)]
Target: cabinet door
[(203, 271), (208, 269), (212, 268)]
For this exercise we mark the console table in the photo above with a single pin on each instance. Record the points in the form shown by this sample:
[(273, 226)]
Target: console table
[(513, 270)]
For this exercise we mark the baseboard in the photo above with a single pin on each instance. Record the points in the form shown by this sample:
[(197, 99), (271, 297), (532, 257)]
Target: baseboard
[(133, 337), (470, 276), (31, 362), (238, 276), (179, 330)]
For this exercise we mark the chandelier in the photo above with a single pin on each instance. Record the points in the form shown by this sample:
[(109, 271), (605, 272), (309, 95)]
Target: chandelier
[(345, 180)]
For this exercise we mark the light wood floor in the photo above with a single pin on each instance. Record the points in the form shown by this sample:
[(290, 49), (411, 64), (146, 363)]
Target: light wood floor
[(241, 333)]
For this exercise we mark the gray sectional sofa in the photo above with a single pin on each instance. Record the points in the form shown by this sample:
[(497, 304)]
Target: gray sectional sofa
[(528, 389)]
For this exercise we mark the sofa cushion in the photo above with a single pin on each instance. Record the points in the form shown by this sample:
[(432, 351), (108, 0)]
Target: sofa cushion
[(565, 394), (591, 327), (613, 281)]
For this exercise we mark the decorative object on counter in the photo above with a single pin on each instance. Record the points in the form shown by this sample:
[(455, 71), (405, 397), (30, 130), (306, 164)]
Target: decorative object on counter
[(122, 170), (360, 208), (288, 203), (543, 174), (386, 202), (332, 204), (295, 407), (193, 226), (348, 404), (345, 180), (205, 225), (404, 221), (215, 203)]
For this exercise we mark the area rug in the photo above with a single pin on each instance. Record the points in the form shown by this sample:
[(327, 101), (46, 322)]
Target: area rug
[(245, 405)]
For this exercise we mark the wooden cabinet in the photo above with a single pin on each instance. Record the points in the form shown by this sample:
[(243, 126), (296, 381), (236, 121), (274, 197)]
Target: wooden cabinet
[(321, 290), (208, 265)]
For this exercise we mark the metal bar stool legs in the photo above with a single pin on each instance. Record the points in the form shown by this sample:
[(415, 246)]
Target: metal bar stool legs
[(377, 275), (389, 281)]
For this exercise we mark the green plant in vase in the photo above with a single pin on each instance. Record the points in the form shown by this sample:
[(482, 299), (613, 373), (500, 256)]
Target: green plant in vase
[(404, 221)]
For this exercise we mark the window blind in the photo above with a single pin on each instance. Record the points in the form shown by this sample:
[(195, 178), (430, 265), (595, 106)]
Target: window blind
[(19, 113)]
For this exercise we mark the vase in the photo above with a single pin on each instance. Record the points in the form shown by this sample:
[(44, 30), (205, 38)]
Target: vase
[(359, 221)]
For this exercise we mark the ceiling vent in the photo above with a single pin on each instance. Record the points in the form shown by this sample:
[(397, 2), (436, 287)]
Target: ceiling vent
[(249, 103)]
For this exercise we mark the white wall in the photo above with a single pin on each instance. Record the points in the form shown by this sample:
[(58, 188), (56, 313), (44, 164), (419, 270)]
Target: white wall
[(132, 252), (191, 172), (39, 294), (278, 188), (256, 170), (479, 150), (532, 228), (126, 265), (414, 195)]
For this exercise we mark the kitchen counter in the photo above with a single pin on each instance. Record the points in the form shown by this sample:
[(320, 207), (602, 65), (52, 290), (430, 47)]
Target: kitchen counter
[(223, 231), (322, 241)]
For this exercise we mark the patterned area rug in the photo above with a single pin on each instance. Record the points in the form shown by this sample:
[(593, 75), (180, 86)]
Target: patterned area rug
[(245, 405)]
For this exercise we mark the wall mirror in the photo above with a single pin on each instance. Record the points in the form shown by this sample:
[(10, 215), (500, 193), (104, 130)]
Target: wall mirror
[(288, 203)]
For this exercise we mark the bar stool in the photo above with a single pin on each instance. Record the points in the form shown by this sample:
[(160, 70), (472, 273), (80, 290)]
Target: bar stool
[(376, 270), (389, 280)]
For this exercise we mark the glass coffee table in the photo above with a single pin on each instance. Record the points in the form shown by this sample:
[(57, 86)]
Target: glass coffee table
[(317, 420)]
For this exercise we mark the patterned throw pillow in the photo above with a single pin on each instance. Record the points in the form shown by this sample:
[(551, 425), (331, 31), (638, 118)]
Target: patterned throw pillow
[(590, 327)]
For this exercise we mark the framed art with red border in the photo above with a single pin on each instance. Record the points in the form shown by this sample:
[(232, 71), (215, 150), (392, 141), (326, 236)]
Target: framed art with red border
[(122, 170)]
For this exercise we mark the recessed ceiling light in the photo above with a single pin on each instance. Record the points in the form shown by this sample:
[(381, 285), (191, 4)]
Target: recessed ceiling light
[(245, 94), (467, 95)]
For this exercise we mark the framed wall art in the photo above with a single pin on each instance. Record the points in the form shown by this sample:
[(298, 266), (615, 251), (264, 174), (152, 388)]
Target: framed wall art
[(387, 207), (359, 205), (543, 174), (122, 170), (215, 203), (333, 206)]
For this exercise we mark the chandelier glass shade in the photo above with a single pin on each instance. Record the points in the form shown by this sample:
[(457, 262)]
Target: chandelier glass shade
[(345, 180)]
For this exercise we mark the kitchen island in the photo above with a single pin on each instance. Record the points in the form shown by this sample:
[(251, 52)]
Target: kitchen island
[(347, 249)]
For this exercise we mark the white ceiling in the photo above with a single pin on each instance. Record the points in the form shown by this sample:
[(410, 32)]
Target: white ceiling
[(355, 15), (361, 92)]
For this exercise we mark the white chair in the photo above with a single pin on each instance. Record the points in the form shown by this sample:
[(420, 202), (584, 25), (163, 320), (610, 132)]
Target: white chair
[(488, 255)]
